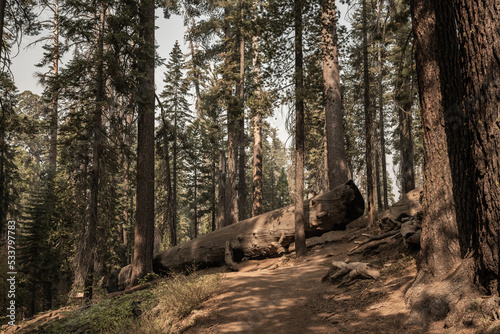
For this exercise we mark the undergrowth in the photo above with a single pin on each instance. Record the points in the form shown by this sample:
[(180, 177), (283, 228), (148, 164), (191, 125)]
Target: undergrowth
[(156, 310)]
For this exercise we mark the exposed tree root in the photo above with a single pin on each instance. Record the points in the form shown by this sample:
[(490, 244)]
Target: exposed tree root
[(455, 299)]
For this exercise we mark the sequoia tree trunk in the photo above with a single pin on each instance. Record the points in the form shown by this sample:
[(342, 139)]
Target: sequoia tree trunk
[(438, 81), (334, 127), (479, 37)]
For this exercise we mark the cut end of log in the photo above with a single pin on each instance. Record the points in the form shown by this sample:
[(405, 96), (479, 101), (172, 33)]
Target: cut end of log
[(335, 209)]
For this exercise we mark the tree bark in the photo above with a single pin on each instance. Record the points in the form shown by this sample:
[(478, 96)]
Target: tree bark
[(479, 37), (381, 32), (257, 125), (368, 124), (334, 127), (268, 234), (222, 190), (55, 91), (3, 5), (257, 164), (439, 90), (144, 229), (242, 185), (173, 240), (195, 222), (438, 81), (3, 202), (404, 102), (300, 237), (231, 207), (87, 252)]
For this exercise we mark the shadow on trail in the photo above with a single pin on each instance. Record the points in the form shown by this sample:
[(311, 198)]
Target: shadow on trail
[(293, 300)]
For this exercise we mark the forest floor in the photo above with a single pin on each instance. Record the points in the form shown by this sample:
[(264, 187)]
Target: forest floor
[(287, 295)]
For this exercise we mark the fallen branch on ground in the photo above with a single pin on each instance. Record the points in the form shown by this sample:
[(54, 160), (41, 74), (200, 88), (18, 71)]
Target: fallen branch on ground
[(373, 238), (351, 272)]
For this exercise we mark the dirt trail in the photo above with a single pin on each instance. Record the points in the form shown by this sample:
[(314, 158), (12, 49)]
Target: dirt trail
[(280, 296)]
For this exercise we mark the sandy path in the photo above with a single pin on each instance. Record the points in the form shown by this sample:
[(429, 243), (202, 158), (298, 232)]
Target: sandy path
[(292, 299)]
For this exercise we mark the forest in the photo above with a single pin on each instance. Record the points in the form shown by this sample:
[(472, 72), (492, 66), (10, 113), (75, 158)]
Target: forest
[(105, 169)]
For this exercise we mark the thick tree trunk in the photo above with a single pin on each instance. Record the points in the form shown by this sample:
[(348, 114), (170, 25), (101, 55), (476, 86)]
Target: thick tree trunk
[(438, 79), (439, 90), (300, 238), (144, 227), (334, 127), (368, 125), (479, 37), (268, 234)]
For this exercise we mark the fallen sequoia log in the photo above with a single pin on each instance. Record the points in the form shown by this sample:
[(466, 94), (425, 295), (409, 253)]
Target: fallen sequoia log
[(265, 235)]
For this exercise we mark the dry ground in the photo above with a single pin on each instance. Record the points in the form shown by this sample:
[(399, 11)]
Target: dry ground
[(286, 295)]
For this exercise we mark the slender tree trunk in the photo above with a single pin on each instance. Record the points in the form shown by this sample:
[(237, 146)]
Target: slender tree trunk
[(3, 5), (222, 191), (214, 180), (257, 127), (169, 209), (381, 31), (257, 164), (129, 208), (231, 215), (55, 92), (90, 240), (242, 186), (3, 202), (300, 237), (144, 227), (377, 178), (368, 125), (195, 203), (197, 80), (406, 139), (335, 144), (479, 37), (173, 241), (404, 101)]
